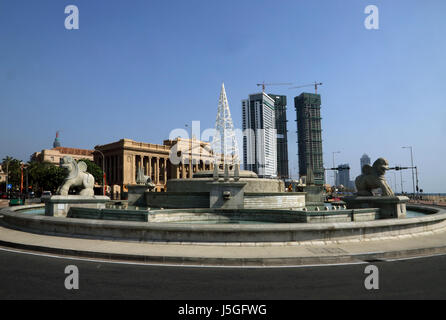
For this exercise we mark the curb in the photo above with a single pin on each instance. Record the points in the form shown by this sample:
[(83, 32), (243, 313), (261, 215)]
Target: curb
[(232, 262)]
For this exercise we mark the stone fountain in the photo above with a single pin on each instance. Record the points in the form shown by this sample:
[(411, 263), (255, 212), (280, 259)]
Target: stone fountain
[(225, 186)]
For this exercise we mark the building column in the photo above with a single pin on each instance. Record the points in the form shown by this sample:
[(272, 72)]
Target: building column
[(157, 171), (149, 173), (115, 171), (165, 170), (112, 168), (108, 164), (120, 170), (132, 178), (135, 170)]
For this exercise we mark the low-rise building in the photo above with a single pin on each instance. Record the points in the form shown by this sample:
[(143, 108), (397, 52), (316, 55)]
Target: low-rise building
[(54, 155), (174, 159), (2, 175)]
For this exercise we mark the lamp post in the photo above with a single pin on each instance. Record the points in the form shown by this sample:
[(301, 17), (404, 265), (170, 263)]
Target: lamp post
[(394, 179), (334, 172), (7, 175), (413, 176), (190, 152), (401, 176), (416, 179), (103, 171)]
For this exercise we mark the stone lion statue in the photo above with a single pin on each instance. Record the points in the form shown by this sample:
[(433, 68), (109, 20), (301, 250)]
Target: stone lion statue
[(77, 177), (372, 177)]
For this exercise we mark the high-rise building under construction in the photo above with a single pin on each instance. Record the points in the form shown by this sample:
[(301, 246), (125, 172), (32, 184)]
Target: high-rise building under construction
[(309, 135)]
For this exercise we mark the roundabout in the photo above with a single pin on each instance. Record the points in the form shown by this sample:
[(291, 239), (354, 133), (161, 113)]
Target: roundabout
[(226, 216), (189, 244), (41, 276)]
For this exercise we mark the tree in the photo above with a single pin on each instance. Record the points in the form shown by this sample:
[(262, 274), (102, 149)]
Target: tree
[(6, 160), (5, 168), (12, 167), (94, 170), (45, 176)]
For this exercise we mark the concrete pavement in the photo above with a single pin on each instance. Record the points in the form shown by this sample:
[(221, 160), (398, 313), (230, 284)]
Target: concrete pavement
[(248, 254)]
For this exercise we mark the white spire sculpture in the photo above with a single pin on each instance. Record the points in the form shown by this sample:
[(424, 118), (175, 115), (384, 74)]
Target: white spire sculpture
[(224, 142)]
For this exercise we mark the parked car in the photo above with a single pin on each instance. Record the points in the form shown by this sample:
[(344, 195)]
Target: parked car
[(45, 196)]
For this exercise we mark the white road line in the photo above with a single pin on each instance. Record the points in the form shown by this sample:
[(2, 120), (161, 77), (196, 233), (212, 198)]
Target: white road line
[(178, 265), (418, 257), (211, 266)]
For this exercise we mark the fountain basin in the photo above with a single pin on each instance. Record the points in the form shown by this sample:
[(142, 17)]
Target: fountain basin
[(279, 232)]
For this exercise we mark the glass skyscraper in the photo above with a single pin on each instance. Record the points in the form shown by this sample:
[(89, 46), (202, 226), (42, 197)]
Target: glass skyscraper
[(259, 139)]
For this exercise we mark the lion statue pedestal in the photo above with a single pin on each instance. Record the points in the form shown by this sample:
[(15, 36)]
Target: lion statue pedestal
[(373, 177), (389, 207), (59, 206), (77, 176)]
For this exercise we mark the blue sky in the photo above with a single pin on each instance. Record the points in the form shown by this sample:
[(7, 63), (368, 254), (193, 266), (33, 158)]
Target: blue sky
[(138, 69)]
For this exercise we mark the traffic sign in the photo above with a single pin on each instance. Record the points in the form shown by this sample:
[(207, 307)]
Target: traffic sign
[(9, 186)]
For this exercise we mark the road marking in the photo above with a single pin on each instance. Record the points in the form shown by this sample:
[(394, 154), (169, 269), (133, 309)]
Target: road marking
[(419, 257), (54, 256), (178, 265)]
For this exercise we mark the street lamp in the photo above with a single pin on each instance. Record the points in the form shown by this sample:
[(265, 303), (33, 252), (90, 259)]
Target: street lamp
[(334, 172), (7, 175), (401, 176), (103, 171), (394, 180), (411, 159)]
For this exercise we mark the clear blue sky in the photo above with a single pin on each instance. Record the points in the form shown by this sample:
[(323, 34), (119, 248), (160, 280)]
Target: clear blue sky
[(138, 69)]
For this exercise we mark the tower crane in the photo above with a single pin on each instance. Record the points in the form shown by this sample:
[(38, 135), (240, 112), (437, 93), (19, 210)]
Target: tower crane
[(315, 84), (263, 85)]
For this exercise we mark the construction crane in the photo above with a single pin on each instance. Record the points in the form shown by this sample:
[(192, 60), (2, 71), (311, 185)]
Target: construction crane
[(263, 85), (315, 84)]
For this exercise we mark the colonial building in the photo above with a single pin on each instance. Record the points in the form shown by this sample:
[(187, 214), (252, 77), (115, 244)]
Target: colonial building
[(175, 159), (2, 175), (54, 155)]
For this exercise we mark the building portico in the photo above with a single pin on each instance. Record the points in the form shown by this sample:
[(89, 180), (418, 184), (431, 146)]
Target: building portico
[(124, 157)]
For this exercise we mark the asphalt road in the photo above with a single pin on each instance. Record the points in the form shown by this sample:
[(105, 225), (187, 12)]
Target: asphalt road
[(24, 276)]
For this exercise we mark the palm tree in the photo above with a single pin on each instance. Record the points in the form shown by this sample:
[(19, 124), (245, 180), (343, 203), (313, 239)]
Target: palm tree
[(7, 160)]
